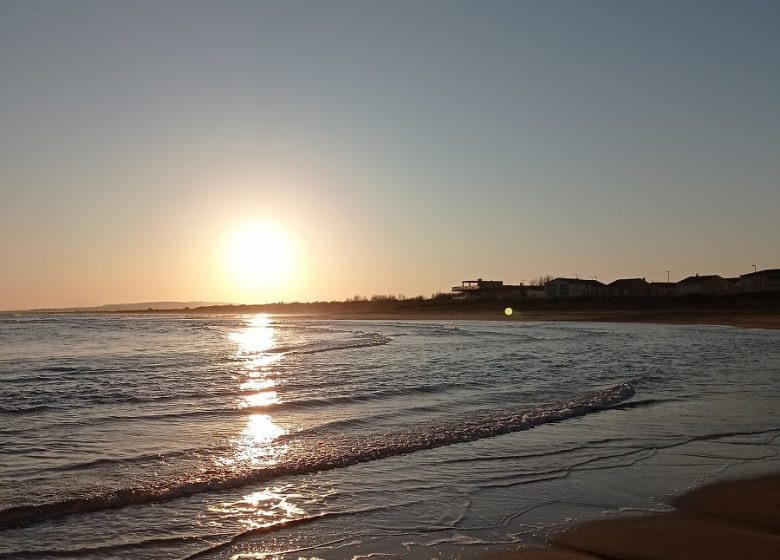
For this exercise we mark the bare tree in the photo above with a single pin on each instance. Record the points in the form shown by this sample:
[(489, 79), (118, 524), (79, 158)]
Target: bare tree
[(541, 280)]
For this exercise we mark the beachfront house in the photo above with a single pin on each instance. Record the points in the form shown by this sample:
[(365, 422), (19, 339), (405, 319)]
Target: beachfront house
[(573, 287), (760, 281), (662, 289), (707, 285), (476, 289), (629, 287)]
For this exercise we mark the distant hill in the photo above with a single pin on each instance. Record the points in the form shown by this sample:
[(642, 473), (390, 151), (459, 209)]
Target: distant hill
[(142, 306)]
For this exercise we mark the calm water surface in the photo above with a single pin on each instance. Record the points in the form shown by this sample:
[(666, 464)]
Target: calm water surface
[(234, 437)]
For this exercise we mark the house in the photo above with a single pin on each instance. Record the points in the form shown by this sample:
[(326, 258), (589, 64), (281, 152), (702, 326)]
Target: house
[(486, 289), (760, 281), (709, 285), (573, 287), (662, 289), (629, 287)]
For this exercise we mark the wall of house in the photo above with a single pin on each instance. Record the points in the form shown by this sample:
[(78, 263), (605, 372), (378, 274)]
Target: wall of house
[(760, 282)]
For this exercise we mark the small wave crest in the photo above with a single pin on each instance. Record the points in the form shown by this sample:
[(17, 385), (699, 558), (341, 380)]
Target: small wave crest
[(366, 340)]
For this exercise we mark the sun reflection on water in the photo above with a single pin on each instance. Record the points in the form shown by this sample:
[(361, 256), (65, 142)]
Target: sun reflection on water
[(264, 507), (256, 337), (256, 400), (261, 363), (257, 384), (256, 445)]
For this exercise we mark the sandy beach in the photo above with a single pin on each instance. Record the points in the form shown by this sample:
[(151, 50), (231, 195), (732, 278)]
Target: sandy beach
[(728, 520)]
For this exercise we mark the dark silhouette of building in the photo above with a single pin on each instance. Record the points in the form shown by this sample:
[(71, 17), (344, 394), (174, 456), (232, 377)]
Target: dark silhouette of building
[(709, 285), (629, 287), (486, 289), (573, 287), (760, 281)]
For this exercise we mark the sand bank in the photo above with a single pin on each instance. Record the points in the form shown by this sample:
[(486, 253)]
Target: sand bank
[(729, 520)]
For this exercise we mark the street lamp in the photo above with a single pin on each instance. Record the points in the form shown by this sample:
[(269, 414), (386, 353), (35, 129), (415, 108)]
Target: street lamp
[(667, 277), (754, 268)]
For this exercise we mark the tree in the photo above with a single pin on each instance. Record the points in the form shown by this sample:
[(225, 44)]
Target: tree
[(541, 280)]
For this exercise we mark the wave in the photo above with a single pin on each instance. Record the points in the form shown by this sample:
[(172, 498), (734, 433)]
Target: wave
[(286, 405), (365, 397), (151, 458), (339, 453), (106, 548), (367, 340), (287, 523), (68, 404), (372, 339)]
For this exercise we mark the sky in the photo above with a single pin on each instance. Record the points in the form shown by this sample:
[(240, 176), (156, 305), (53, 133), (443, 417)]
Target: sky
[(147, 148)]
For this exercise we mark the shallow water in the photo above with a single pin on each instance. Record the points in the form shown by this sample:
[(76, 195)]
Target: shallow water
[(247, 436)]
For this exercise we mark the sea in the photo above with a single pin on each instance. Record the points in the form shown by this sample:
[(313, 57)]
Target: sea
[(265, 436)]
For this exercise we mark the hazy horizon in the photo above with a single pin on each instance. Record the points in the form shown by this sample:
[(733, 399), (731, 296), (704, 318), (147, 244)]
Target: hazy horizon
[(279, 151)]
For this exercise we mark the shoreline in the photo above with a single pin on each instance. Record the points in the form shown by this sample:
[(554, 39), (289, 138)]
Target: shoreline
[(718, 521), (741, 320), (747, 310)]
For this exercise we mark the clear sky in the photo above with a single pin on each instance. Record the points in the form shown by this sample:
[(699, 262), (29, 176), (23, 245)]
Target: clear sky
[(380, 147)]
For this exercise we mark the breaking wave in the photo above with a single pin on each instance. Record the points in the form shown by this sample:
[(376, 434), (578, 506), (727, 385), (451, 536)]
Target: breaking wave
[(338, 452)]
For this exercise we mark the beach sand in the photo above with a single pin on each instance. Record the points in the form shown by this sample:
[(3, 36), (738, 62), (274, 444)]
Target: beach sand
[(734, 520)]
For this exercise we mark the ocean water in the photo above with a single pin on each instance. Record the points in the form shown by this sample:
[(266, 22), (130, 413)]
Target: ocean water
[(228, 437)]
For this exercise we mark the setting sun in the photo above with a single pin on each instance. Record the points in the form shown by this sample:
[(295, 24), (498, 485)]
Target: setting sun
[(260, 256)]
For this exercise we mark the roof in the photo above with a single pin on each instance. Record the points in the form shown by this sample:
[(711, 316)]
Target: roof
[(625, 282), (762, 272), (697, 278), (577, 281)]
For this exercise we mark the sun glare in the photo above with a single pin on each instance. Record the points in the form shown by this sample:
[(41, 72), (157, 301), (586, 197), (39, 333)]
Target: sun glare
[(260, 256)]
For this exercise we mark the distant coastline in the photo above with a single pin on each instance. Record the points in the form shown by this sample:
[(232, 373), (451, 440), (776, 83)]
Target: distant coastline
[(756, 310)]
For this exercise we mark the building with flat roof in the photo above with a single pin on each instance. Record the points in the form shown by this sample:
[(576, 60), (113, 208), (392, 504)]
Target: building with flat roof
[(486, 289)]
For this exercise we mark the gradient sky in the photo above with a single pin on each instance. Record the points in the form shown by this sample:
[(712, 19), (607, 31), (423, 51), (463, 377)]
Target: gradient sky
[(403, 146)]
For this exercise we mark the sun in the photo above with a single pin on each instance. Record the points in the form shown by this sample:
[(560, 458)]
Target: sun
[(260, 257)]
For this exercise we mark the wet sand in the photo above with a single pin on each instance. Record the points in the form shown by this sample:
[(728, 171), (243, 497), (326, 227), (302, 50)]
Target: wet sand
[(734, 520)]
